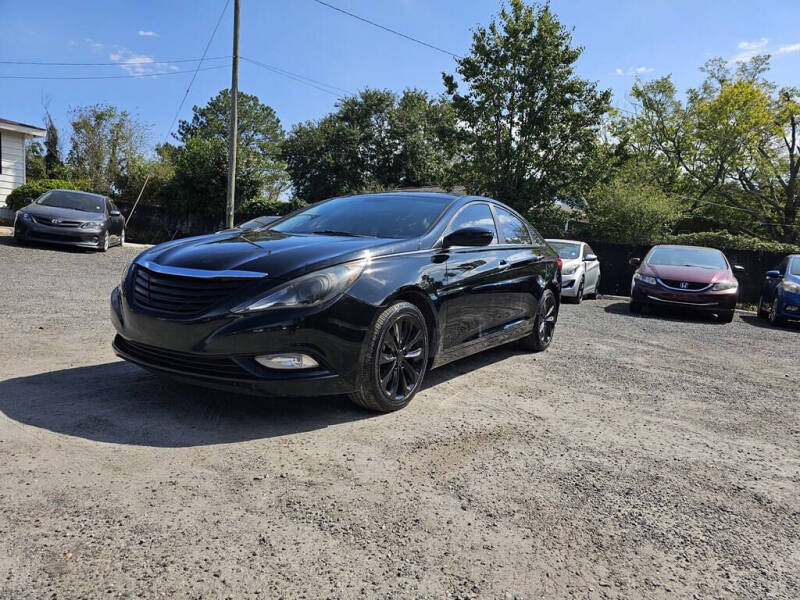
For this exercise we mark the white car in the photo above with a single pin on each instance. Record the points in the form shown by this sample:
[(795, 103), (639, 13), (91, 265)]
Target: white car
[(580, 270)]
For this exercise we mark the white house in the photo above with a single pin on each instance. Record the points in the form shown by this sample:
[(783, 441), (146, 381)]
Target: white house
[(12, 154)]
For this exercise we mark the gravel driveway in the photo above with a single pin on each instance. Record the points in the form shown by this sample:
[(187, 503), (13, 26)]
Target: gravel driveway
[(639, 457)]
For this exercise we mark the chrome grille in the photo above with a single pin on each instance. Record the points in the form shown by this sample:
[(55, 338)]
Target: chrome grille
[(181, 295), (690, 286)]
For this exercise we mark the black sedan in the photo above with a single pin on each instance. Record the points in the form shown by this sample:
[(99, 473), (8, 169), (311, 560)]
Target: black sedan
[(357, 295), (71, 218)]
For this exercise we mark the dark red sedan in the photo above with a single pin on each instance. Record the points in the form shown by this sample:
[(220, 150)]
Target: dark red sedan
[(690, 277)]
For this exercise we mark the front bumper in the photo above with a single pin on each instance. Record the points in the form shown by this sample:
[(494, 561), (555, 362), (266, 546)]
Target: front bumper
[(218, 352), (789, 305), (69, 236), (570, 284), (705, 302)]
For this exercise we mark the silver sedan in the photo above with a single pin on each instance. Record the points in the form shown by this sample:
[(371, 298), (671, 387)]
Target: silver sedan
[(580, 271)]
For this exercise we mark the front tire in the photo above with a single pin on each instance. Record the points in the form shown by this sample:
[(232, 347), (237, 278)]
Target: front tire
[(762, 312), (544, 325), (103, 245), (579, 294), (726, 317), (774, 317), (395, 361), (635, 307)]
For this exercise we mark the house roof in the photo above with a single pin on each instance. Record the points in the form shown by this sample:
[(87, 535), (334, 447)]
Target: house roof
[(29, 130)]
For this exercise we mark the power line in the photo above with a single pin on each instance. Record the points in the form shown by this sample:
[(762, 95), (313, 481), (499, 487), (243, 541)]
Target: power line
[(106, 64), (202, 58), (394, 31), (324, 87), (159, 74)]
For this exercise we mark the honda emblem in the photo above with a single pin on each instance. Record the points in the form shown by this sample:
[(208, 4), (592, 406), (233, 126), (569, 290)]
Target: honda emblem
[(55, 221), (684, 285)]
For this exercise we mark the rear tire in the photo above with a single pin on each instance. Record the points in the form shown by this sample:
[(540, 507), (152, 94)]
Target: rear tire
[(544, 325), (122, 238), (394, 363)]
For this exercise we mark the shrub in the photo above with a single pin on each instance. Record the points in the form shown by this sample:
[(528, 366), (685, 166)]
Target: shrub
[(37, 187), (723, 240)]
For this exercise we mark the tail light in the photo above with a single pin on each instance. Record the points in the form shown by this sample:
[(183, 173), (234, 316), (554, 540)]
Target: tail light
[(558, 264)]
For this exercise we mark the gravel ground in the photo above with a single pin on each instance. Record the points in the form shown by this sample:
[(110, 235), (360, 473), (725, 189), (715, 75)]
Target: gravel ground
[(639, 457)]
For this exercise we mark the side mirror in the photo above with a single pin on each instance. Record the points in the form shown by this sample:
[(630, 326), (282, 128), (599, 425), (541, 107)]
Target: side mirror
[(635, 262), (468, 236), (774, 274), (738, 269), (114, 213), (590, 257), (29, 200)]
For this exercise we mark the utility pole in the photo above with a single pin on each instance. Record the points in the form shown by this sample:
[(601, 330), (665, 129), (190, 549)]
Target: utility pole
[(233, 134)]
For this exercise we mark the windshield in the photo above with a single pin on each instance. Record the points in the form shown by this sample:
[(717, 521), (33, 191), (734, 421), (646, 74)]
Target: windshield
[(390, 216), (706, 258), (795, 268), (73, 200), (566, 250)]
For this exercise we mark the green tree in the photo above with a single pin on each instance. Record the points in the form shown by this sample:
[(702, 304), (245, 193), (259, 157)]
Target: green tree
[(105, 143), (54, 166), (630, 213), (530, 125), (35, 167), (375, 140), (201, 161), (732, 147)]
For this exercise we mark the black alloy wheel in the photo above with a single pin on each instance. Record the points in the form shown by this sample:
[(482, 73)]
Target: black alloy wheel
[(544, 325), (396, 360)]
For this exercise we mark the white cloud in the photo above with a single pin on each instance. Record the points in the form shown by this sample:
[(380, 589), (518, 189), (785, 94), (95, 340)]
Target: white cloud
[(138, 64), (634, 71), (144, 33), (93, 43), (748, 49), (789, 48)]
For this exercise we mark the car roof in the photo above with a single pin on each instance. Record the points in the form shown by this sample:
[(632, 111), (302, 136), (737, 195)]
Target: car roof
[(433, 195), (565, 241), (686, 246)]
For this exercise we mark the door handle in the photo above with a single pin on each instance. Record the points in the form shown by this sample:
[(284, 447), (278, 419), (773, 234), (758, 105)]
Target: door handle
[(504, 265)]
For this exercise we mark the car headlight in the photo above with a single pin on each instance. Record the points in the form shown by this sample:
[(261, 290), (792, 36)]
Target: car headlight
[(308, 290), (570, 269), (26, 217), (94, 225), (645, 278), (791, 287), (725, 285)]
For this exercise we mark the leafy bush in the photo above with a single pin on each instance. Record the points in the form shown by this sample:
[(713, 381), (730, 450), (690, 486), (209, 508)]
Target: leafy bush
[(727, 241), (630, 213), (34, 189)]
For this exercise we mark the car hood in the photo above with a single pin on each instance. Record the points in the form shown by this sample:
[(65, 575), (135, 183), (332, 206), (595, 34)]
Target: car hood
[(275, 254), (51, 212), (692, 274)]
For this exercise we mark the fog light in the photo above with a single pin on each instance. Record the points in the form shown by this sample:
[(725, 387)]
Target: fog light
[(289, 360)]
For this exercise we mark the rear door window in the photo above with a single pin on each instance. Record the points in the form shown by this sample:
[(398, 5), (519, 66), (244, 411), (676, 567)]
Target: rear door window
[(512, 228)]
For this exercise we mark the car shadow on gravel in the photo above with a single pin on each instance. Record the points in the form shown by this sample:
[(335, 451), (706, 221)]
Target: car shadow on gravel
[(664, 314), (119, 403), (7, 240), (764, 324)]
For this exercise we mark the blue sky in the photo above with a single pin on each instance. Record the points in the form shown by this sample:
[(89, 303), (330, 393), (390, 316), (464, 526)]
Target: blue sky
[(621, 38)]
